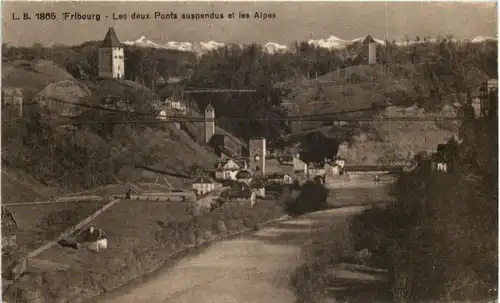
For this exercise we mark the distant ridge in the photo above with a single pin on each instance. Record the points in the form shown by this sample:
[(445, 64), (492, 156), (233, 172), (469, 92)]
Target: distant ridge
[(331, 42)]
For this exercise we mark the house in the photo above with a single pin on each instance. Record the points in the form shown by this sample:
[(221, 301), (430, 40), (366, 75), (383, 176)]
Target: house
[(286, 160), (333, 169), (244, 176), (92, 238), (280, 178), (175, 105), (299, 166), (314, 169), (339, 161), (246, 195), (439, 163), (162, 115), (203, 185), (259, 188), (228, 168)]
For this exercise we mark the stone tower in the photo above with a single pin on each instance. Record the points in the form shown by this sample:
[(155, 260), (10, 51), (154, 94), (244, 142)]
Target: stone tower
[(209, 122), (111, 57), (257, 149), (371, 45)]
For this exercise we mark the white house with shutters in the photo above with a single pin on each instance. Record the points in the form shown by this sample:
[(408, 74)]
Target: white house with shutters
[(203, 185)]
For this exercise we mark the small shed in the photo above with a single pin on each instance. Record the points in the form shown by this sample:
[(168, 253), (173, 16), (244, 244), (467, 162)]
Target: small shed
[(92, 238)]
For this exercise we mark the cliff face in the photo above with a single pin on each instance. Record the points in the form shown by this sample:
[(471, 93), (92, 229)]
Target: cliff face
[(398, 142)]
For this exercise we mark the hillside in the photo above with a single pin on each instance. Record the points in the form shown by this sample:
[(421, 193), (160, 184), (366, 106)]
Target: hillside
[(406, 90), (91, 155)]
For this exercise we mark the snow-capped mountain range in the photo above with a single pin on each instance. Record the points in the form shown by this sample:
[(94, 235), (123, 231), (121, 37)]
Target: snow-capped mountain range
[(331, 42)]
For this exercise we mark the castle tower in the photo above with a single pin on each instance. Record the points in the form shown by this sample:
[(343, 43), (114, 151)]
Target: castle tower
[(370, 44), (489, 98), (257, 149), (111, 57), (209, 122)]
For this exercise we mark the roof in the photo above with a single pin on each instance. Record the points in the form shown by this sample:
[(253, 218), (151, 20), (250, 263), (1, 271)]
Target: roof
[(278, 175), (86, 236), (369, 39), (203, 180), (160, 80), (111, 40), (244, 174), (174, 80), (209, 108), (257, 138)]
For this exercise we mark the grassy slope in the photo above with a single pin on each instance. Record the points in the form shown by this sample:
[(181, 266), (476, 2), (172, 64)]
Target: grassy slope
[(18, 186), (371, 142), (172, 150)]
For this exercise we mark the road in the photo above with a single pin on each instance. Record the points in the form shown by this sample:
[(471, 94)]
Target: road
[(253, 268)]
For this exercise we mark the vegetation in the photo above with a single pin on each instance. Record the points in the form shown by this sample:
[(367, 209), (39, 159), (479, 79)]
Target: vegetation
[(438, 239), (428, 74), (161, 230), (312, 197)]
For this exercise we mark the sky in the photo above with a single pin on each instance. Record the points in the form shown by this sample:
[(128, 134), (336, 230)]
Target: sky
[(294, 21)]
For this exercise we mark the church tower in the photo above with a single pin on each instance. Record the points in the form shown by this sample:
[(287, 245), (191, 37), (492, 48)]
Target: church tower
[(257, 148), (209, 122), (111, 57)]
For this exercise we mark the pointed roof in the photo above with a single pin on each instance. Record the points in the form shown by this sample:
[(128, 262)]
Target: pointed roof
[(369, 39), (209, 108), (85, 236), (111, 40)]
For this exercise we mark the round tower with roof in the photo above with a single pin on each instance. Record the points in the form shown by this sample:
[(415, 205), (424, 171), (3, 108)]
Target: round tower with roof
[(209, 122), (111, 57)]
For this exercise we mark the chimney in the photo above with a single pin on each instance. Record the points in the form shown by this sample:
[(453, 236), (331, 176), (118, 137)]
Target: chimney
[(91, 229)]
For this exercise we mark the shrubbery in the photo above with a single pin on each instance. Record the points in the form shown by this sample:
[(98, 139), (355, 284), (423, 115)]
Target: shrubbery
[(312, 197), (439, 239)]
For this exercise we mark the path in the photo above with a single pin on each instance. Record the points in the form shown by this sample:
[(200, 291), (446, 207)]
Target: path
[(252, 268)]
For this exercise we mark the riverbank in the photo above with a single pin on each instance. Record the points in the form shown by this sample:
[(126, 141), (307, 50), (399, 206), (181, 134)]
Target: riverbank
[(331, 271), (254, 267), (135, 248)]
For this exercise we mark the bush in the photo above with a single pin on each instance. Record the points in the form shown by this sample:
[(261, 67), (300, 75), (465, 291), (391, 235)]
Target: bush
[(312, 198), (440, 236)]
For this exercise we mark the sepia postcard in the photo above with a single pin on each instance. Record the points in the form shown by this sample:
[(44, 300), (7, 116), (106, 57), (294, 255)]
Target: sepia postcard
[(260, 152)]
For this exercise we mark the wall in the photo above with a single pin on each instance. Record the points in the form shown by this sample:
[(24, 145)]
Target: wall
[(105, 62), (118, 63), (372, 53), (209, 125)]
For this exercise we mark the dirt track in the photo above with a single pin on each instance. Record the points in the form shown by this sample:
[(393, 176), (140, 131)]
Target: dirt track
[(252, 268)]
